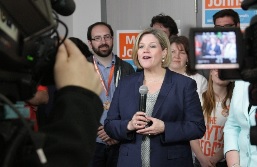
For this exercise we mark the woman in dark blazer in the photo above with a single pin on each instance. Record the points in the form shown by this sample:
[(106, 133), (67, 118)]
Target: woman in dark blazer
[(172, 107)]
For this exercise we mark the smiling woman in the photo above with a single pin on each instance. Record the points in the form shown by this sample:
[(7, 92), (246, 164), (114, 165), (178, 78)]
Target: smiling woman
[(167, 91), (180, 62), (143, 47)]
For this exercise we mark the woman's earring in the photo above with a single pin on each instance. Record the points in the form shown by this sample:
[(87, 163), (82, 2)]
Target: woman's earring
[(163, 60)]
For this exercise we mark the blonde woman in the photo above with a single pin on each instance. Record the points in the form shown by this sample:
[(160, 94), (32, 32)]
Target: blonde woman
[(172, 106)]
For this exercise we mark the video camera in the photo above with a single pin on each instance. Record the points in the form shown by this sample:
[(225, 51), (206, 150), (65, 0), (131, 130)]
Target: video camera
[(28, 45), (236, 59)]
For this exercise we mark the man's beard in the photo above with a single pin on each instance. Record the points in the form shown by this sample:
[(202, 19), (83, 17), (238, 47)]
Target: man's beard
[(101, 53)]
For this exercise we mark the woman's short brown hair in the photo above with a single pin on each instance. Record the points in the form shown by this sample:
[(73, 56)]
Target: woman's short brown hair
[(184, 41)]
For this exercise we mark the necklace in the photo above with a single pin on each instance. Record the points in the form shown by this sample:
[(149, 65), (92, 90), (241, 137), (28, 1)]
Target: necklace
[(218, 98)]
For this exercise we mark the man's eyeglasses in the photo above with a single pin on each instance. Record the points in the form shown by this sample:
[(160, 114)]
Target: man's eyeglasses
[(107, 37), (225, 26)]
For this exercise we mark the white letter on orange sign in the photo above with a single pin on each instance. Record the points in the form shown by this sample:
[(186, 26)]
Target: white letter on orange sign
[(130, 41), (211, 3), (230, 3), (124, 52), (217, 2), (127, 53)]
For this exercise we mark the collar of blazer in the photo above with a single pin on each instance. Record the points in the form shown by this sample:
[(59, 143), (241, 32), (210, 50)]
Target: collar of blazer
[(165, 88)]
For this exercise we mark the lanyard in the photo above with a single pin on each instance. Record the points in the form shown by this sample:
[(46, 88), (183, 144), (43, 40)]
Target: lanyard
[(101, 77)]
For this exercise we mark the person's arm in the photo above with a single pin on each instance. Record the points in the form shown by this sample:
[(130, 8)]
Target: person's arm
[(217, 157), (204, 85), (71, 132), (72, 69), (232, 127), (72, 127), (40, 97), (232, 158), (118, 121), (204, 161), (192, 126), (104, 137)]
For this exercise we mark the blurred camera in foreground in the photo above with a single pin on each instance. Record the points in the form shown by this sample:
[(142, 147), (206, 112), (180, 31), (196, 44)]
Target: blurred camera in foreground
[(28, 44), (228, 49)]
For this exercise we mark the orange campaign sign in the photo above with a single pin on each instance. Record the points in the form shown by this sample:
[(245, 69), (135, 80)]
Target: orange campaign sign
[(210, 7), (125, 41), (218, 4)]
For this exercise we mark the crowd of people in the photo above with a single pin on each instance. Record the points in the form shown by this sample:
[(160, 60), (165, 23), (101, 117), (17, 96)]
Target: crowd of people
[(196, 121)]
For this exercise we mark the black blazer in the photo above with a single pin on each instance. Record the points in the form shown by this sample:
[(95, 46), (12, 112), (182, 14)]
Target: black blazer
[(71, 132)]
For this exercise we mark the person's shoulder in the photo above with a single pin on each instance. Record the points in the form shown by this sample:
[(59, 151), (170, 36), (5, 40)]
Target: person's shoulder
[(132, 76), (177, 75), (242, 82), (198, 76), (90, 58), (239, 84), (180, 79), (130, 79), (124, 64), (123, 61), (240, 90)]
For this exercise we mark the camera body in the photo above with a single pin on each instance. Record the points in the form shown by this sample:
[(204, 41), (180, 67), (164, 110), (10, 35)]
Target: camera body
[(208, 53), (27, 46), (231, 51), (29, 41)]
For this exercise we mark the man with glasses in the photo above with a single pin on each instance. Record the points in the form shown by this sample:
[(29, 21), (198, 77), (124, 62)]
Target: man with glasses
[(110, 69), (226, 18), (223, 19)]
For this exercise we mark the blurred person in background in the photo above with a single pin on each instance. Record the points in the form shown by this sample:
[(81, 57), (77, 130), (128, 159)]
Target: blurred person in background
[(180, 62), (165, 23), (215, 103), (110, 69)]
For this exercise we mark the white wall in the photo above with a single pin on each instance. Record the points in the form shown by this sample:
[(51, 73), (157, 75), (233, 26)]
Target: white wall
[(86, 13)]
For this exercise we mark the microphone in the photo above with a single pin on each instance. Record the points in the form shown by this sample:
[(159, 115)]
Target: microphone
[(143, 90), (248, 4), (63, 7), (142, 103)]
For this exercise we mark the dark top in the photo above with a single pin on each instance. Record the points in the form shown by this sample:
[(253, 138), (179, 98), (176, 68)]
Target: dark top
[(71, 132)]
